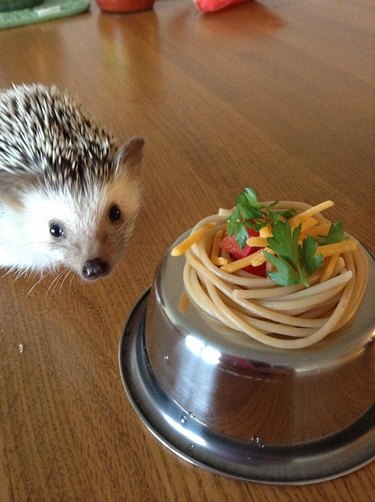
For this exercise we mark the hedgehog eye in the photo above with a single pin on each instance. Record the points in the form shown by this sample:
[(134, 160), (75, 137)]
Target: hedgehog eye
[(114, 213), (56, 230)]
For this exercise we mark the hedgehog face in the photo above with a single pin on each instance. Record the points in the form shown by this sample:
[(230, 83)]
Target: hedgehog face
[(87, 234)]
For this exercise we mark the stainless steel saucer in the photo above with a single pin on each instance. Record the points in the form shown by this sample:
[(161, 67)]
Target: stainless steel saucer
[(235, 407)]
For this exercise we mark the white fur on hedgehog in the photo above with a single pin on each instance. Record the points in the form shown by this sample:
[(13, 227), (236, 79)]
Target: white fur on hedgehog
[(59, 168)]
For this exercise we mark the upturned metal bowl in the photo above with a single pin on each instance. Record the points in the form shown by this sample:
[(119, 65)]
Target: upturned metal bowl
[(232, 405)]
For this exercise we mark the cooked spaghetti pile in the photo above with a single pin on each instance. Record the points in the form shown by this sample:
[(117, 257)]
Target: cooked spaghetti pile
[(280, 273)]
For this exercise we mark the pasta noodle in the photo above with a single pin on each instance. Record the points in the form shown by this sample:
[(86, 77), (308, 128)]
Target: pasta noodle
[(287, 317)]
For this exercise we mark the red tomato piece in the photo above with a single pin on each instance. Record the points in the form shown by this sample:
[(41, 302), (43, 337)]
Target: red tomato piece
[(259, 271), (230, 245)]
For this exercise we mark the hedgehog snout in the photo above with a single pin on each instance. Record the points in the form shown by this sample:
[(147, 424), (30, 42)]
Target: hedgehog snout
[(93, 269)]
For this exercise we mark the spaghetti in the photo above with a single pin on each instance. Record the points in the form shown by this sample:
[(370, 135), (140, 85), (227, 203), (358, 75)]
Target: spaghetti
[(287, 317)]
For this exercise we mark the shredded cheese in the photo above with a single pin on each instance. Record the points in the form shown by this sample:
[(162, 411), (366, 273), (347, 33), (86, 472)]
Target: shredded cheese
[(186, 244), (265, 232), (253, 260), (321, 230), (214, 257), (337, 247), (329, 267), (257, 242), (308, 223), (299, 218)]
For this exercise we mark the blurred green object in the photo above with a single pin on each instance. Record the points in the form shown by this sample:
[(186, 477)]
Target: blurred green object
[(8, 5), (41, 11)]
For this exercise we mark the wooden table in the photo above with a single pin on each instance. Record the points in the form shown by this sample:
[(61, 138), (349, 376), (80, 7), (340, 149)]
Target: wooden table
[(278, 95)]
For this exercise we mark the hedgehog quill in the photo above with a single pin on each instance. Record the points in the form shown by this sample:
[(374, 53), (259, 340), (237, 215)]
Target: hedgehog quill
[(69, 192)]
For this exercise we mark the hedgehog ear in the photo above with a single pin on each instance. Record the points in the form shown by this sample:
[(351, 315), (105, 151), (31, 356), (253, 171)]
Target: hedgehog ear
[(129, 156), (12, 187)]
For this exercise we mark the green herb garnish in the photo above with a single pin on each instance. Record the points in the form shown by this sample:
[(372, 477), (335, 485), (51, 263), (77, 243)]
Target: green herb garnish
[(249, 213), (294, 262), (335, 234)]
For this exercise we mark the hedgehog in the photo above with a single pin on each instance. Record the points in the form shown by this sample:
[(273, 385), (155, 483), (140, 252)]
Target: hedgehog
[(69, 191)]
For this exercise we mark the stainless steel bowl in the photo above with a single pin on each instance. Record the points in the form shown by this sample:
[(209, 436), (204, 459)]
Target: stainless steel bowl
[(227, 403)]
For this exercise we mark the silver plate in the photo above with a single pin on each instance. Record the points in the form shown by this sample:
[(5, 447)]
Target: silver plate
[(300, 462)]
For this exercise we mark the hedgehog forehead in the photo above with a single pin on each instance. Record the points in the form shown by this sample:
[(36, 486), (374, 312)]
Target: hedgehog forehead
[(79, 213), (80, 202), (78, 174)]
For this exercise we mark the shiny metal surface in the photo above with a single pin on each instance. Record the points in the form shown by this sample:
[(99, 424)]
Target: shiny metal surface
[(227, 403)]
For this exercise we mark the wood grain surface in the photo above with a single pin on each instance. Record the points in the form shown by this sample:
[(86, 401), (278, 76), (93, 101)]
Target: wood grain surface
[(279, 95)]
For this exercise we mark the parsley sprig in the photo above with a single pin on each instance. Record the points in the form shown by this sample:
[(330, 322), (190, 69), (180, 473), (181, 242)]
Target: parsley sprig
[(249, 213), (335, 234), (293, 262)]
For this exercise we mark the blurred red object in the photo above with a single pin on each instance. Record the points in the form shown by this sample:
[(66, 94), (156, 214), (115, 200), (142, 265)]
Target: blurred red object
[(213, 5), (122, 6)]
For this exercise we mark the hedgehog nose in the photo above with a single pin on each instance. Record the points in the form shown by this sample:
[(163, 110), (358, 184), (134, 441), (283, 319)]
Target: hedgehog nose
[(95, 268)]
